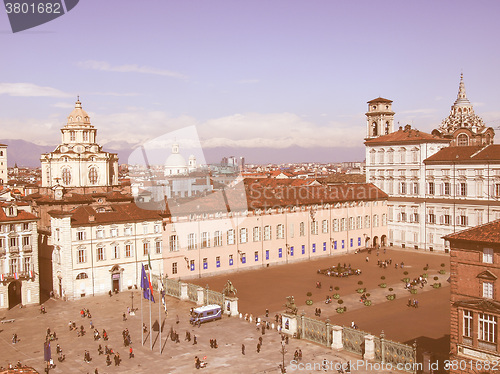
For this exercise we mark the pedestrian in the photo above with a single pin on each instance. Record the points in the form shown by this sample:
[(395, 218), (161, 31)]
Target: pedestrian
[(416, 303), (258, 347), (195, 341), (367, 259), (267, 312), (409, 302), (177, 319), (263, 329), (243, 349), (300, 354), (108, 360), (131, 353), (124, 317)]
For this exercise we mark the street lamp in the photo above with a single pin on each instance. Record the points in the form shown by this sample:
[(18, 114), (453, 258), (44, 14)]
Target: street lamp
[(283, 351)]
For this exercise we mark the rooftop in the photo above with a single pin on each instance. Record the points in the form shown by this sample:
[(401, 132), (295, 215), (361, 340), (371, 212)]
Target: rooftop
[(487, 233)]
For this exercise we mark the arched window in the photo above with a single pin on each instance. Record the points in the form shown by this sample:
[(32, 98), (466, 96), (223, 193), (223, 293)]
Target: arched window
[(66, 176), (386, 128), (462, 140), (93, 176), (374, 129), (82, 276)]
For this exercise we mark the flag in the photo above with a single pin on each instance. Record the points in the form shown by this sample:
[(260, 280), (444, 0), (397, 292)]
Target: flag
[(2, 277), (146, 286), (31, 273), (16, 276), (47, 355), (149, 263)]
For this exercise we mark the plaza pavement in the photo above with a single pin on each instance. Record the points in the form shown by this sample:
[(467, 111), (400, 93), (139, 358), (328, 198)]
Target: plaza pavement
[(230, 332)]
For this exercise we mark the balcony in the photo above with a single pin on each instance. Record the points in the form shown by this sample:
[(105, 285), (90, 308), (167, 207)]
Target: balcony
[(2, 252), (27, 248), (14, 249), (24, 275)]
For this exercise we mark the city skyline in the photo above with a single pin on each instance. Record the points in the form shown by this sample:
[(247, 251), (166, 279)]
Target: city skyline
[(272, 82)]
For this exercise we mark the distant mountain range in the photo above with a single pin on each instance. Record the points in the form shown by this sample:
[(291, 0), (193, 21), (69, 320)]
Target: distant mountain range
[(26, 153)]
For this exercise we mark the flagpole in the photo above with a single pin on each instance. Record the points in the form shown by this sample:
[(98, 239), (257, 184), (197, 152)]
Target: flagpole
[(159, 309), (150, 334), (142, 319)]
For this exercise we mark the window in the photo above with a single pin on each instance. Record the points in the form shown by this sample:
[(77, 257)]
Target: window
[(192, 241), (256, 255), (367, 222), (488, 290), (343, 224), (230, 237), (145, 247), (114, 232), (291, 230), (128, 250), (72, 136), (462, 219), (145, 229), (174, 243), (174, 268), (375, 220), (128, 231), (80, 235), (218, 239), (280, 231), (463, 189), (13, 242), (324, 226), (158, 246), (66, 176), (205, 239), (26, 240), (359, 222), (335, 225), (431, 216), (467, 330), (402, 188), (479, 217), (100, 233), (447, 188), (85, 136), (205, 263), (243, 235), (497, 190), (267, 232), (415, 188), (431, 188), (488, 255), (25, 226), (302, 229), (93, 175), (462, 140), (116, 252), (13, 265), (256, 234), (447, 219), (384, 219), (487, 328), (402, 154), (314, 227), (100, 254), (351, 223), (27, 264)]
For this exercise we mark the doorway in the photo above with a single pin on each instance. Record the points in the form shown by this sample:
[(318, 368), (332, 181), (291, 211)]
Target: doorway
[(116, 282), (14, 294)]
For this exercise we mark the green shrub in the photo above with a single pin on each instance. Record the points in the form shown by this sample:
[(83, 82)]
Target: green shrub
[(391, 297), (436, 285), (368, 302), (413, 291), (360, 283), (406, 280), (405, 273), (340, 310), (336, 296), (436, 278), (367, 295), (337, 288), (424, 275), (382, 277), (382, 285), (360, 290), (442, 271), (390, 289), (309, 302)]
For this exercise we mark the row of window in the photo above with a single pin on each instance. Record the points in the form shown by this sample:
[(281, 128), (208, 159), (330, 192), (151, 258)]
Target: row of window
[(14, 241), (358, 222), (486, 326), (15, 265), (114, 232), (290, 252), (400, 157), (13, 227), (116, 251)]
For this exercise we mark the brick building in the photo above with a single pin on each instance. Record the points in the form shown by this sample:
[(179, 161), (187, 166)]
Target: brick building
[(475, 298)]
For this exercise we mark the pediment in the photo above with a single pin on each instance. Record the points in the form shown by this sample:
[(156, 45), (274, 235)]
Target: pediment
[(487, 275)]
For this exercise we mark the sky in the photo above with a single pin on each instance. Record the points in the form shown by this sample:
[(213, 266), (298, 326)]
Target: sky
[(270, 80)]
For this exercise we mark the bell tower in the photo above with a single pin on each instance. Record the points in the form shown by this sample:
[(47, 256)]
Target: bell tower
[(379, 118)]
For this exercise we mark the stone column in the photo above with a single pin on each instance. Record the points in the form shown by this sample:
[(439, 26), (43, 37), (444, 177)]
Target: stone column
[(337, 342), (232, 303), (201, 296), (184, 291), (369, 353), (289, 324)]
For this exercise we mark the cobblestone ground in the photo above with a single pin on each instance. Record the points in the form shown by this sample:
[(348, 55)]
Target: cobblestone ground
[(107, 312)]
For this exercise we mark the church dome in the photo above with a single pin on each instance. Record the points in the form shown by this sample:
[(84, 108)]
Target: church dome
[(78, 116), (176, 160)]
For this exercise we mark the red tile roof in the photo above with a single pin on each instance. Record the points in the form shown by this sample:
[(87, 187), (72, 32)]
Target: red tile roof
[(487, 233), (117, 213), (379, 100), (406, 136), (466, 154), (21, 216)]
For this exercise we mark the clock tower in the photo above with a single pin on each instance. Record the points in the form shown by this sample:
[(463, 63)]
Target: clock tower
[(379, 118)]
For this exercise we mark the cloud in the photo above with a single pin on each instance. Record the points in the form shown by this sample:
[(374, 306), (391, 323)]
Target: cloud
[(30, 90), (418, 111), (104, 66), (63, 105), (124, 94)]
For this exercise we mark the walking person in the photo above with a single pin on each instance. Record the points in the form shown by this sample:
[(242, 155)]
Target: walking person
[(243, 349)]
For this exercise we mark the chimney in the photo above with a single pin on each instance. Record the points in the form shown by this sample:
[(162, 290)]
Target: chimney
[(91, 218)]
